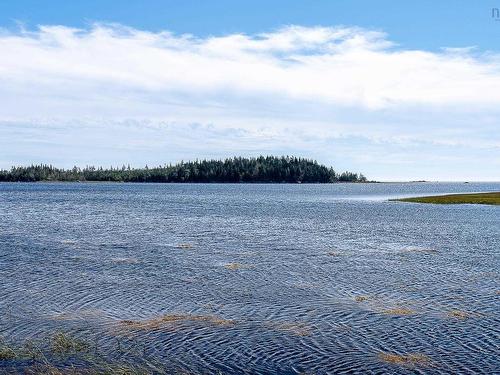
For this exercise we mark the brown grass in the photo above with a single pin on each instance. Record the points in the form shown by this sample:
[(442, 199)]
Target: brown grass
[(461, 315), (7, 353), (49, 369), (38, 358), (411, 359), (360, 298), (399, 311), (166, 321), (61, 343), (233, 266)]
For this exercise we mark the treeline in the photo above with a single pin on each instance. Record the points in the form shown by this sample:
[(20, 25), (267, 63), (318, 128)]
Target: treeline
[(264, 169)]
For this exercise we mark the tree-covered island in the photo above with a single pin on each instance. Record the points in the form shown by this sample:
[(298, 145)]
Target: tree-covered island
[(263, 169)]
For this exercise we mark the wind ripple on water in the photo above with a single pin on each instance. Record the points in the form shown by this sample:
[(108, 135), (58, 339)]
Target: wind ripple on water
[(309, 285)]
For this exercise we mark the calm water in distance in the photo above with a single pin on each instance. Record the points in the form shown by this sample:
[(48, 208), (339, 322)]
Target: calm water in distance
[(321, 270)]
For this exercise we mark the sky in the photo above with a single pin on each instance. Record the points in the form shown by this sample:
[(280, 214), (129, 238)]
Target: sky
[(395, 90)]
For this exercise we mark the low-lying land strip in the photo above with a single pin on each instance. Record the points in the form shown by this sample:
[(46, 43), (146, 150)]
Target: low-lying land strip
[(263, 169), (475, 198)]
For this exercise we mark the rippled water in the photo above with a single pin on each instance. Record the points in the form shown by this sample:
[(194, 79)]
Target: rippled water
[(256, 278)]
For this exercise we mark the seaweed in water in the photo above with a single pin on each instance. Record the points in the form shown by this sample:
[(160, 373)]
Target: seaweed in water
[(409, 360), (65, 344), (459, 314), (361, 298), (233, 266), (7, 353), (168, 320), (399, 311)]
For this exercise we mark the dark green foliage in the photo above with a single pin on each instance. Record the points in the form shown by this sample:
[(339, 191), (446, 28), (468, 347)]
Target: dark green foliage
[(264, 169)]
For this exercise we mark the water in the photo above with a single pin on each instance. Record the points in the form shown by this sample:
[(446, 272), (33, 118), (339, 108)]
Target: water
[(319, 271)]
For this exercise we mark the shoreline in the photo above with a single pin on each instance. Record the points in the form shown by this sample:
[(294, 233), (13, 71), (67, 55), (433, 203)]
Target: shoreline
[(486, 198)]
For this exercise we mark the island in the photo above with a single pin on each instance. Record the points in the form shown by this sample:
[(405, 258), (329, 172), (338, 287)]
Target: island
[(492, 198), (262, 169)]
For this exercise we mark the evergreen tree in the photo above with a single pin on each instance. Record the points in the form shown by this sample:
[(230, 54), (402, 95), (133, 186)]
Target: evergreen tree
[(263, 169)]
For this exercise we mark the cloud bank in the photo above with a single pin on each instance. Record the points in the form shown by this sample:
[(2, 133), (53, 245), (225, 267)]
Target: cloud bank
[(343, 95)]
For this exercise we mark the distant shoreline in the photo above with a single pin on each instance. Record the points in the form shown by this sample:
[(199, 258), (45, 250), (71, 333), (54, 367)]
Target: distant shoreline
[(262, 169), (196, 183)]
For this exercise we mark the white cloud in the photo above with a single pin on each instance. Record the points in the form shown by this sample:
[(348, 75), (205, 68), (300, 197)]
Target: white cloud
[(346, 66), (297, 89)]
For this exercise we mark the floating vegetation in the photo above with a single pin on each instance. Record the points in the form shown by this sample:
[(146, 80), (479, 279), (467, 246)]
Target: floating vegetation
[(99, 368), (233, 266), (166, 321), (43, 357), (59, 343), (411, 359), (461, 315), (68, 242), (360, 298), (7, 353), (399, 311), (334, 254), (48, 369), (184, 246), (62, 343)]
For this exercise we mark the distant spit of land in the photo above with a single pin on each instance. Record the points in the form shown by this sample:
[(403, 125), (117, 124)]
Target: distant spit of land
[(263, 169), (475, 198)]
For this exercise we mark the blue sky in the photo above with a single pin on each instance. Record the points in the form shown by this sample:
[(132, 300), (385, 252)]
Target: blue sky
[(396, 90), (423, 24)]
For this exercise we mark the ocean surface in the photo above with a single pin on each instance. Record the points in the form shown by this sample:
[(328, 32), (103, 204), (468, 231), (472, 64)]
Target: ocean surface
[(255, 279)]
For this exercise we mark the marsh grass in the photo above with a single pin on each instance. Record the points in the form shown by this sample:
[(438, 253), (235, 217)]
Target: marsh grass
[(476, 198), (460, 314), (170, 320), (63, 354), (233, 266), (361, 298), (7, 353), (407, 360), (50, 369), (400, 311), (62, 343)]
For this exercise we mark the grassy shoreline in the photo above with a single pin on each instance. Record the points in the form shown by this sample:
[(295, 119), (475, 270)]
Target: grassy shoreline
[(492, 198)]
